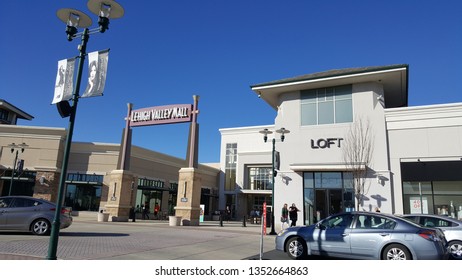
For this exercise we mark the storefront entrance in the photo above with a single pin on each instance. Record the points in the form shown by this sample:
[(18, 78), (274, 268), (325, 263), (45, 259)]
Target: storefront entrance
[(83, 191), (83, 197), (328, 202), (327, 193)]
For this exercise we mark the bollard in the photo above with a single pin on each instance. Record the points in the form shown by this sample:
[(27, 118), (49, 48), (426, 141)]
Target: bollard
[(243, 222), (221, 220)]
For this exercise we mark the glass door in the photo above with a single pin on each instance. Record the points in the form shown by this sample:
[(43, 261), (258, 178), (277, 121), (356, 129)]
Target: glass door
[(328, 202)]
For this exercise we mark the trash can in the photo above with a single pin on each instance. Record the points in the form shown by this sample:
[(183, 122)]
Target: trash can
[(103, 217), (174, 221)]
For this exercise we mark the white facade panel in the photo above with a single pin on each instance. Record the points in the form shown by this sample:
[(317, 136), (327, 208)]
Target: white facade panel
[(400, 135)]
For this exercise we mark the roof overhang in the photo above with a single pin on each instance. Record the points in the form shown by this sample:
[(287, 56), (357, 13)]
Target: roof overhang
[(20, 114), (394, 79)]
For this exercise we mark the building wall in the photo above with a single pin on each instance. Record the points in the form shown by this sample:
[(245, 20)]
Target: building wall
[(425, 133), (44, 155), (297, 148)]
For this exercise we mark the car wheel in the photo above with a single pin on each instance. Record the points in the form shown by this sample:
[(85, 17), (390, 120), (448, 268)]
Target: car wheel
[(41, 227), (455, 249), (296, 248), (395, 252)]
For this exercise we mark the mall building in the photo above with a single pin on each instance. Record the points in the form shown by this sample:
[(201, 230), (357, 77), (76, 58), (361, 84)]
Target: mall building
[(329, 121), (35, 156), (412, 160)]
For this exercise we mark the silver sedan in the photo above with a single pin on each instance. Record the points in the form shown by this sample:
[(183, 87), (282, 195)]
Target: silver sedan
[(363, 235), (24, 213)]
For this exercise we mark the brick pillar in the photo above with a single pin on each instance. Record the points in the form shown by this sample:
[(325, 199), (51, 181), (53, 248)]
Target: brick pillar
[(122, 185), (189, 196)]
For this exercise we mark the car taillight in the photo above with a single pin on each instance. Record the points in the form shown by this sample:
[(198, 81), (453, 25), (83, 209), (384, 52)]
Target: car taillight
[(428, 234)]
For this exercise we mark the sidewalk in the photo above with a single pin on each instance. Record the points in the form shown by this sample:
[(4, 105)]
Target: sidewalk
[(89, 239), (90, 217)]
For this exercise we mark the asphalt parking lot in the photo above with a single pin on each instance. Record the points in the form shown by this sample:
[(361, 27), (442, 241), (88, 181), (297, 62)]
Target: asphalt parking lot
[(88, 239)]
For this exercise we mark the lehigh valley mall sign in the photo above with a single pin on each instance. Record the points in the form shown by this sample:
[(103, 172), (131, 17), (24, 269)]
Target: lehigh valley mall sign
[(161, 115)]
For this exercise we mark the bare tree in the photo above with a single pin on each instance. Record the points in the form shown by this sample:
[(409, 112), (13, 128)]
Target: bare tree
[(357, 155)]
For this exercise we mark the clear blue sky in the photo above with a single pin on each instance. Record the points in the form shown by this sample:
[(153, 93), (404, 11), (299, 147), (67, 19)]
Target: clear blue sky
[(163, 52)]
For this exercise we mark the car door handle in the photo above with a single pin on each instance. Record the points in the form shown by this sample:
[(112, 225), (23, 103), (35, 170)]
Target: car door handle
[(384, 234), (345, 234)]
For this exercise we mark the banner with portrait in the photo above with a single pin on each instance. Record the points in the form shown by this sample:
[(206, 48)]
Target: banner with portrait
[(64, 80), (97, 69)]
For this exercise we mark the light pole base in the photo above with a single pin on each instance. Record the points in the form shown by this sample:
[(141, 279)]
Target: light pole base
[(272, 232)]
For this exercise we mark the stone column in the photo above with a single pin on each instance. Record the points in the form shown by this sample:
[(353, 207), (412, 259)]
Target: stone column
[(122, 185), (189, 196)]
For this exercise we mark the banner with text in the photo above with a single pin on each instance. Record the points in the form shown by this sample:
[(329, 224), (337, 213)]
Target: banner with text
[(161, 115)]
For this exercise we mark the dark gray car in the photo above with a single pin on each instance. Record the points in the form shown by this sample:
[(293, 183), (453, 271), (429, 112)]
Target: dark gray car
[(24, 213), (364, 235), (451, 228)]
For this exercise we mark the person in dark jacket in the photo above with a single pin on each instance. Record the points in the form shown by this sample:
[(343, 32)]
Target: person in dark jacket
[(293, 215)]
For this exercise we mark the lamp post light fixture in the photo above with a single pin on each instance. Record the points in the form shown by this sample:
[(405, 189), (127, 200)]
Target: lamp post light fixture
[(17, 148), (74, 19), (265, 133)]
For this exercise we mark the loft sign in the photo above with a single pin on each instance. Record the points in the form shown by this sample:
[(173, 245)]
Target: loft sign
[(161, 115), (324, 143)]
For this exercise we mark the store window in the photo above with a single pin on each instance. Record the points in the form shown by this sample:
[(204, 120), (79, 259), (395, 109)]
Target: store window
[(327, 105), (83, 191), (258, 203), (230, 166), (435, 197), (259, 178)]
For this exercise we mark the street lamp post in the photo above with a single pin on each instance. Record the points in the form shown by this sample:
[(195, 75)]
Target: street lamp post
[(265, 132), (105, 9), (14, 148)]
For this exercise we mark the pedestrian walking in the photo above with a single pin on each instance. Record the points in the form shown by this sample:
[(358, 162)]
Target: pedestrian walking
[(146, 211), (156, 211), (293, 215), (227, 214)]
